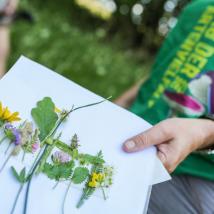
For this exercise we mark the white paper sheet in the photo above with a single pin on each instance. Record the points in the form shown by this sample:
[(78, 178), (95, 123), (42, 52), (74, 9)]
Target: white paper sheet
[(103, 127)]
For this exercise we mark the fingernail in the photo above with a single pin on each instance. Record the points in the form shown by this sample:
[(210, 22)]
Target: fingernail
[(129, 145)]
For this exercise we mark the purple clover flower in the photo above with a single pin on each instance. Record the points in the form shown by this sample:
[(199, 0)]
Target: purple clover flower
[(8, 126), (13, 134), (61, 157), (17, 136)]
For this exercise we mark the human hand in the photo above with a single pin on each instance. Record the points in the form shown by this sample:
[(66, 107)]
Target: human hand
[(175, 139)]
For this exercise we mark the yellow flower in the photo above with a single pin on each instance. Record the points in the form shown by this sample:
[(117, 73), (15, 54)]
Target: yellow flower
[(92, 184), (7, 116), (96, 179), (94, 176)]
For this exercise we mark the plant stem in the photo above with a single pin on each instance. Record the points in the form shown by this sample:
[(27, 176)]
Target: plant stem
[(23, 157), (29, 179), (84, 197), (44, 158), (34, 167), (104, 194), (56, 184), (60, 122), (77, 108), (37, 157), (10, 144), (4, 164), (88, 191), (16, 199), (41, 150), (51, 134), (3, 139), (65, 196)]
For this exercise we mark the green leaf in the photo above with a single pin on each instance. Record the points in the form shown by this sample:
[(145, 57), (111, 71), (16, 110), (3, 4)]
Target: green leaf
[(64, 147), (22, 174), (45, 116), (20, 177), (75, 154), (90, 159), (16, 175), (59, 171), (88, 191), (80, 175)]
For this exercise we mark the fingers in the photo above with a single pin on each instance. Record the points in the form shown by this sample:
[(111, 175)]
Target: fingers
[(158, 134), (167, 156), (171, 154), (174, 138), (162, 158), (169, 165)]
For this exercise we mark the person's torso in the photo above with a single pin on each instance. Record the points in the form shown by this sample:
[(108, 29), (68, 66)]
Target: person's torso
[(187, 52)]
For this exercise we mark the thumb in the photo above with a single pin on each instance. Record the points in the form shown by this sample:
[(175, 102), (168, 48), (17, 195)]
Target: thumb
[(156, 135)]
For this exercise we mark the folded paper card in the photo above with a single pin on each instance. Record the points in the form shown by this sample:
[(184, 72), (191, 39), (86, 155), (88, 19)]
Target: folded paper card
[(102, 127)]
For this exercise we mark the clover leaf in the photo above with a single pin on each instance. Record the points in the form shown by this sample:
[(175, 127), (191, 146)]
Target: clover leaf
[(45, 116), (21, 177), (80, 175), (58, 171)]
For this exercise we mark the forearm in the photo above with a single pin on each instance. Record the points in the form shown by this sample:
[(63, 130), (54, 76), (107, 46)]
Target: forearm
[(126, 99)]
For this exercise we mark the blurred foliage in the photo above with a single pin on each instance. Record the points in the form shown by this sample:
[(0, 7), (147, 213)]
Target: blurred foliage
[(59, 40), (96, 8), (104, 56), (141, 23), (147, 22)]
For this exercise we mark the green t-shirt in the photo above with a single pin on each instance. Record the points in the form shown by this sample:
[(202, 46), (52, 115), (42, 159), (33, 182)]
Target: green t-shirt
[(187, 53)]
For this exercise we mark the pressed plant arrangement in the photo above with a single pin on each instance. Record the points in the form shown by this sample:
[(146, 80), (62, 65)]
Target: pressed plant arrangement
[(59, 161)]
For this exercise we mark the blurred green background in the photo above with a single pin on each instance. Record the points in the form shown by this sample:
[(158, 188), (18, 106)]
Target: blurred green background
[(104, 45)]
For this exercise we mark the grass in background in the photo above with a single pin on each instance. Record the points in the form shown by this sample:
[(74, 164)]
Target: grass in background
[(58, 41)]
